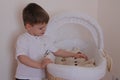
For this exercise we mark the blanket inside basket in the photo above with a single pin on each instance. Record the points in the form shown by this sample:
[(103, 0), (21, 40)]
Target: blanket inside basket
[(75, 61)]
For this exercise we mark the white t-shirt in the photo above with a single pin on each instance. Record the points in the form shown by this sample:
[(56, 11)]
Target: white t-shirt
[(35, 48)]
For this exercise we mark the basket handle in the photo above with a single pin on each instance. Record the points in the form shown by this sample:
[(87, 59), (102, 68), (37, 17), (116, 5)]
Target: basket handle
[(83, 19), (109, 60)]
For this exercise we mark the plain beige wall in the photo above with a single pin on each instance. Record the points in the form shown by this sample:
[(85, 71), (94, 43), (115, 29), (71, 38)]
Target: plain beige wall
[(109, 18), (11, 25)]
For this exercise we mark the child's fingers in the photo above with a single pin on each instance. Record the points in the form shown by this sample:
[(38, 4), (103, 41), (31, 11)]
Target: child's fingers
[(47, 60), (84, 56), (80, 55)]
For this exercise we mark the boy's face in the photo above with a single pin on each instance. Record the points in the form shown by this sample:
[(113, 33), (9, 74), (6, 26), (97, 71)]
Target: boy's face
[(37, 29)]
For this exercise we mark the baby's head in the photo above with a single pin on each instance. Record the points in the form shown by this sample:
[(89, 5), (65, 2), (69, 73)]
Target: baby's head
[(35, 19)]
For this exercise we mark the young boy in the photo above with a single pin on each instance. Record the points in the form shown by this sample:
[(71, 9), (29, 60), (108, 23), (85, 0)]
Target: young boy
[(32, 45)]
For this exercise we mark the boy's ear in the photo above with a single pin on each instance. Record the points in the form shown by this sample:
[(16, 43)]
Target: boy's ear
[(28, 26)]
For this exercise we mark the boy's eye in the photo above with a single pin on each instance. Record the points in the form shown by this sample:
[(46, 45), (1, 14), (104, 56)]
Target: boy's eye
[(40, 28)]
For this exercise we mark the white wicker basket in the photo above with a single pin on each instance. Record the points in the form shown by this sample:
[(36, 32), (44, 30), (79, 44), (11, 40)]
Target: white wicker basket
[(66, 39)]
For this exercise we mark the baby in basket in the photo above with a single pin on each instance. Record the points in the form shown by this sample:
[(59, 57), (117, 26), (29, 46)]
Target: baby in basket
[(73, 61)]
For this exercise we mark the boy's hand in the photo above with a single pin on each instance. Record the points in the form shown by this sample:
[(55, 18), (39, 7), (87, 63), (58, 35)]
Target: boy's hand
[(46, 61), (81, 55)]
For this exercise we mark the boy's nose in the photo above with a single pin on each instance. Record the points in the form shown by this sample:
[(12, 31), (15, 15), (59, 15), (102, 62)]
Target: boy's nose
[(43, 29)]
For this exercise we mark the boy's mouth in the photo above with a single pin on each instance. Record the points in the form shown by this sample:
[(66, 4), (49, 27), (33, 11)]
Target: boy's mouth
[(42, 33)]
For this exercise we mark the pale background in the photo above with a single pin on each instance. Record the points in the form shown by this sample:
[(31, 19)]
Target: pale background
[(106, 12)]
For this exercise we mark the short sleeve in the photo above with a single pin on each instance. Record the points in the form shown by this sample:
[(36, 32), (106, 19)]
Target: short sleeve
[(21, 46)]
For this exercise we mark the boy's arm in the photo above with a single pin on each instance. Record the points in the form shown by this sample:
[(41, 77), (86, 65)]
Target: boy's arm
[(31, 63), (63, 53)]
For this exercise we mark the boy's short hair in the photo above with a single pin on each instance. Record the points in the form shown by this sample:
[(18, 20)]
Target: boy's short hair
[(34, 14)]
